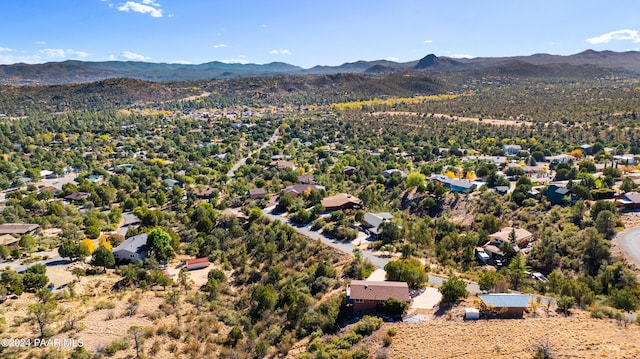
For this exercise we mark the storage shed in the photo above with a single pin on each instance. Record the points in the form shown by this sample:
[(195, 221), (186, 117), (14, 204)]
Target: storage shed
[(198, 263)]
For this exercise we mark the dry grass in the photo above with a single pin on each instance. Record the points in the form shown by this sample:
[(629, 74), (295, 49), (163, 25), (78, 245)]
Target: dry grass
[(577, 336)]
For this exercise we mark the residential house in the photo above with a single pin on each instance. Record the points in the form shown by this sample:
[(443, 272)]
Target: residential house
[(587, 149), (95, 178), (132, 249), (9, 240), (198, 263), (257, 193), (373, 221), (203, 192), (298, 189), (349, 170), (628, 201), (282, 165), (501, 189), (627, 160), (126, 167), (511, 150), (170, 182), (560, 194), (47, 174), (341, 201), (560, 158), (388, 173), (522, 236), (234, 212), (307, 179), (506, 305), (366, 295), (78, 196), (18, 228), (53, 190), (455, 185)]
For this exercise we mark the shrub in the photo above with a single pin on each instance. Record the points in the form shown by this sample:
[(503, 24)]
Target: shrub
[(392, 306), (453, 289), (367, 325)]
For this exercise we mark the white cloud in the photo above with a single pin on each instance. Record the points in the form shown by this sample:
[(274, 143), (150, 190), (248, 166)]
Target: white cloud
[(41, 42), (237, 60), (632, 35), (428, 41), (146, 7), (6, 49), (129, 56), (219, 46), (280, 52), (52, 53), (61, 53), (391, 58), (461, 56)]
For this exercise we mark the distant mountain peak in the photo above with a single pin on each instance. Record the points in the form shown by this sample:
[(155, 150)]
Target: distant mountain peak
[(433, 61)]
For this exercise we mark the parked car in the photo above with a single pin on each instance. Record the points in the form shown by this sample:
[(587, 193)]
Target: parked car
[(539, 276)]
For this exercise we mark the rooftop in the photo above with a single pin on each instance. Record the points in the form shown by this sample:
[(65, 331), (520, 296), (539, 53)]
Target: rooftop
[(17, 228), (507, 300), (135, 244), (376, 290)]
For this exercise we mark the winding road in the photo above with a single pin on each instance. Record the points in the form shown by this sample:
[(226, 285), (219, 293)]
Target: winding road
[(347, 247), (629, 242)]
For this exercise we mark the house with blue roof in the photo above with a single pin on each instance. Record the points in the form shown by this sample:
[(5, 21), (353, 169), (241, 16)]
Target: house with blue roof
[(509, 305)]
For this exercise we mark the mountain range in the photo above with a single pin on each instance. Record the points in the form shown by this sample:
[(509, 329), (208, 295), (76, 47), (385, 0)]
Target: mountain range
[(589, 62)]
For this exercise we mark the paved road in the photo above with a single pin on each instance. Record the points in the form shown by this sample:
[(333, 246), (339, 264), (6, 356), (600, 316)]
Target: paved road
[(128, 219), (241, 162), (347, 247), (629, 242)]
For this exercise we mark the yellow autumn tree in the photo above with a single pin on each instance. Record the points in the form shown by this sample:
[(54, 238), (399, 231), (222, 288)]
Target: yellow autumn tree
[(577, 153), (88, 243), (104, 241)]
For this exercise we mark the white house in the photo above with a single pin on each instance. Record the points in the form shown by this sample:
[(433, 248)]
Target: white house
[(132, 249), (374, 220)]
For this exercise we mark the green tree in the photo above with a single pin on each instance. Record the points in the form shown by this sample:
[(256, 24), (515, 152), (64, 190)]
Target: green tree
[(517, 271), (415, 179), (392, 306), (42, 313), (407, 270), (138, 336), (627, 185), (68, 249), (453, 289), (103, 257), (389, 232), (595, 251), (27, 242), (606, 223), (601, 205), (159, 244), (488, 280), (5, 252), (234, 336), (565, 303), (263, 298)]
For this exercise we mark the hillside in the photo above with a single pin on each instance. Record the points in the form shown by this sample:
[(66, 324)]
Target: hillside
[(79, 71)]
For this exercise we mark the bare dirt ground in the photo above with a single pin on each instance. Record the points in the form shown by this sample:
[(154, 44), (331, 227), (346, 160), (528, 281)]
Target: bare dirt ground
[(577, 336)]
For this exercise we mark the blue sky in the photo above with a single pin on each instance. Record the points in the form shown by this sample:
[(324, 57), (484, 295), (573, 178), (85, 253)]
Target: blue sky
[(309, 32)]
